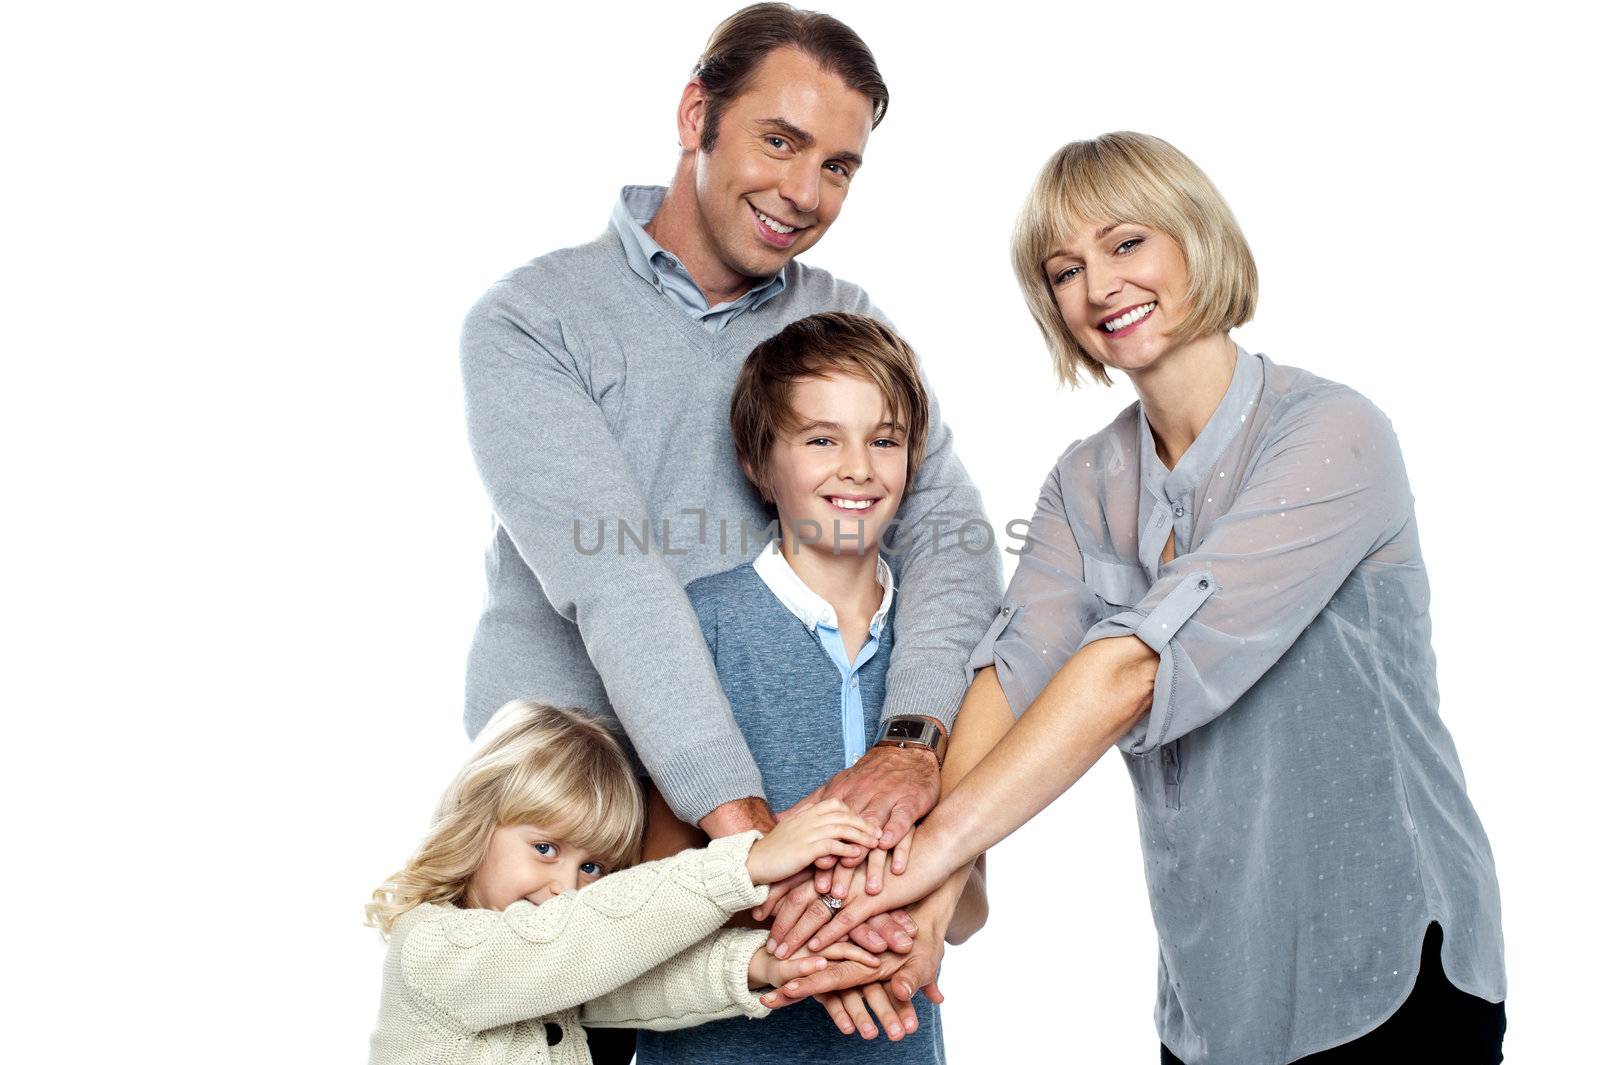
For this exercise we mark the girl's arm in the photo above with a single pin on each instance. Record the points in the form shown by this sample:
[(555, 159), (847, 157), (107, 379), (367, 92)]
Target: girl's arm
[(708, 982), (478, 969)]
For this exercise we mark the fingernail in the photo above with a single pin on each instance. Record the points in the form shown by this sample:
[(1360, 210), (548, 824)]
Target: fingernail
[(849, 1029), (814, 945), (772, 946), (894, 1031), (874, 884), (783, 950), (792, 985), (819, 965)]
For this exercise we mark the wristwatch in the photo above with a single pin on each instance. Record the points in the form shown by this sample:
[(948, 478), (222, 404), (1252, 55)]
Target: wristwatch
[(913, 731)]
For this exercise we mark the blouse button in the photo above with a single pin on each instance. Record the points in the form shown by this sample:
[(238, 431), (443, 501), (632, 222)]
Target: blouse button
[(1178, 511), (1005, 612), (552, 1033), (1204, 584)]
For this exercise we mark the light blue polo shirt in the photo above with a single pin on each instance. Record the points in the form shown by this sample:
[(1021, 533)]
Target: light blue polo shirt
[(818, 616)]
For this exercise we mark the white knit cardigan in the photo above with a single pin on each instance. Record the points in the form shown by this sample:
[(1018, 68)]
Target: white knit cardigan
[(636, 949)]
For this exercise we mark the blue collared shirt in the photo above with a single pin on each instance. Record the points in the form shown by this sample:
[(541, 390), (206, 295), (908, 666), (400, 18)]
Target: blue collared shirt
[(635, 208), (818, 616)]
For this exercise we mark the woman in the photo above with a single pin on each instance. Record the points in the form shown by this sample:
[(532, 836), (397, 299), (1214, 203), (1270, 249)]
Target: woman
[(1226, 583)]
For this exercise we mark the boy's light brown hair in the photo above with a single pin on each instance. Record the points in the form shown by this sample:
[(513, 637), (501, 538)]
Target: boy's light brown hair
[(831, 343)]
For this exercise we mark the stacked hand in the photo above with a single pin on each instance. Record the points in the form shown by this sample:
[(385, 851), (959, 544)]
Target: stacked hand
[(892, 788)]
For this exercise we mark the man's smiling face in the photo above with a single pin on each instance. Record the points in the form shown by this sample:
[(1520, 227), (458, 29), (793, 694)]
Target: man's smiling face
[(786, 150)]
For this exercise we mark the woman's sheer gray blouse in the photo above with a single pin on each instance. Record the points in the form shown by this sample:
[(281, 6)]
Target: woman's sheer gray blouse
[(1302, 808)]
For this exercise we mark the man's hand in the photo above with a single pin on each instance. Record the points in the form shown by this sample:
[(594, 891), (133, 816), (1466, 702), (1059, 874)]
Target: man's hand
[(740, 815), (892, 787)]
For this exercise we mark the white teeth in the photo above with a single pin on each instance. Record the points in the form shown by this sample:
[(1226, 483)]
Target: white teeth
[(1128, 319), (851, 504), (776, 227)]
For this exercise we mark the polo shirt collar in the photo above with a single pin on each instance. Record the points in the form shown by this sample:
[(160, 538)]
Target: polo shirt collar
[(805, 604), (636, 206)]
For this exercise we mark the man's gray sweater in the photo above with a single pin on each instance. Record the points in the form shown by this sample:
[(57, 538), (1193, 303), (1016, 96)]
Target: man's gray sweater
[(597, 414)]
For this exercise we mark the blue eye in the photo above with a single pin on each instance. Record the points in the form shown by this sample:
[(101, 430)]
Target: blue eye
[(545, 849), (777, 142), (885, 442), (591, 869), (819, 440), (1129, 244), (1067, 275)]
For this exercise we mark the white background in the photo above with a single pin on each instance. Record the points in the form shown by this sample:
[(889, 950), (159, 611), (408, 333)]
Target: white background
[(243, 559)]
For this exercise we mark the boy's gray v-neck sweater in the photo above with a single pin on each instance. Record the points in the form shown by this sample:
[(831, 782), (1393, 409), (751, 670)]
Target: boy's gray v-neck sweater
[(596, 410)]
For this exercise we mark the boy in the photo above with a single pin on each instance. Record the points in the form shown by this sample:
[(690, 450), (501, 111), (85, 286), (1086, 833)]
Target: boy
[(829, 420)]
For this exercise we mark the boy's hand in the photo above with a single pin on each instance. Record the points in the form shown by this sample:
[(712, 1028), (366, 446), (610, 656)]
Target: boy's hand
[(767, 971), (826, 829)]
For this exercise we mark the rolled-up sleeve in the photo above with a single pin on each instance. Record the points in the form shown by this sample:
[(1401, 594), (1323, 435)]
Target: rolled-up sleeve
[(1328, 490), (1046, 609)]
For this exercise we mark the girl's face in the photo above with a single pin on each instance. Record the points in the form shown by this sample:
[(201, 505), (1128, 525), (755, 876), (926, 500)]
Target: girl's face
[(529, 862), (1121, 287)]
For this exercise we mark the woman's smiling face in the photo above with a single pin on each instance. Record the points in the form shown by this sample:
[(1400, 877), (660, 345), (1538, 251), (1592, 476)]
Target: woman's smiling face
[(1121, 288)]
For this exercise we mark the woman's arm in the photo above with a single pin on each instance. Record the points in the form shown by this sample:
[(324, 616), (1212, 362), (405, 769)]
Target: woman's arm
[(1090, 702)]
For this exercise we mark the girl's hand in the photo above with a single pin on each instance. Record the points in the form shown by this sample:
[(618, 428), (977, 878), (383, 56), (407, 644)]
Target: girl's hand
[(767, 971), (828, 828)]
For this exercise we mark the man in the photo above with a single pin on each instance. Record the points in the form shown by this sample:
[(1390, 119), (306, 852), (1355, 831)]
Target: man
[(597, 383)]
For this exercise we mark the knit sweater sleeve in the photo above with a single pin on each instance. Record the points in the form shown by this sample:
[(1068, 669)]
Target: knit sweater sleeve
[(708, 982), (478, 969), (551, 464)]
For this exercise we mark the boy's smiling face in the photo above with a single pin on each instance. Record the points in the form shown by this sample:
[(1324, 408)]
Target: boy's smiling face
[(842, 465)]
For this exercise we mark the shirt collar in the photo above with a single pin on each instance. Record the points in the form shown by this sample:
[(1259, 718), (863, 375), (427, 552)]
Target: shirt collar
[(807, 605), (636, 206), (1238, 402)]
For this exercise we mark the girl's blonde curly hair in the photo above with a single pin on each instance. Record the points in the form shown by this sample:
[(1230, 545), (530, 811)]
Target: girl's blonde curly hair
[(552, 766)]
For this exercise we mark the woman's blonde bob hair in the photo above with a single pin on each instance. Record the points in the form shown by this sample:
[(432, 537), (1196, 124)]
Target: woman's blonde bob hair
[(1133, 177), (533, 764)]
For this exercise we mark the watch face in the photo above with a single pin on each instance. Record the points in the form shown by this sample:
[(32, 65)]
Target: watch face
[(904, 730)]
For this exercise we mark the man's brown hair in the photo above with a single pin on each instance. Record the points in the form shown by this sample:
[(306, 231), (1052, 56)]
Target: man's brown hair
[(830, 343), (745, 38)]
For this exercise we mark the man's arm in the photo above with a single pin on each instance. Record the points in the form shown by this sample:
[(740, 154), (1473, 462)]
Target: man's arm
[(552, 468)]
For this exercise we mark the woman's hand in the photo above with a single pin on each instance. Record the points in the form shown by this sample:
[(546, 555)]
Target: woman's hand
[(925, 876), (828, 828), (804, 913)]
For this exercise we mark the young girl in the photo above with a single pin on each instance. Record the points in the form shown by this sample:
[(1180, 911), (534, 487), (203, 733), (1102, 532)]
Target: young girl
[(504, 938)]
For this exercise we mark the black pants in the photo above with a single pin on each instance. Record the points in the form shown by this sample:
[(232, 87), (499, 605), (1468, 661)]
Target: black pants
[(610, 1046), (1438, 1022)]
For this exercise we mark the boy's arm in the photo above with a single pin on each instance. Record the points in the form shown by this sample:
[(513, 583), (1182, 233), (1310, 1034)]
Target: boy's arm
[(478, 969), (551, 465), (708, 982)]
